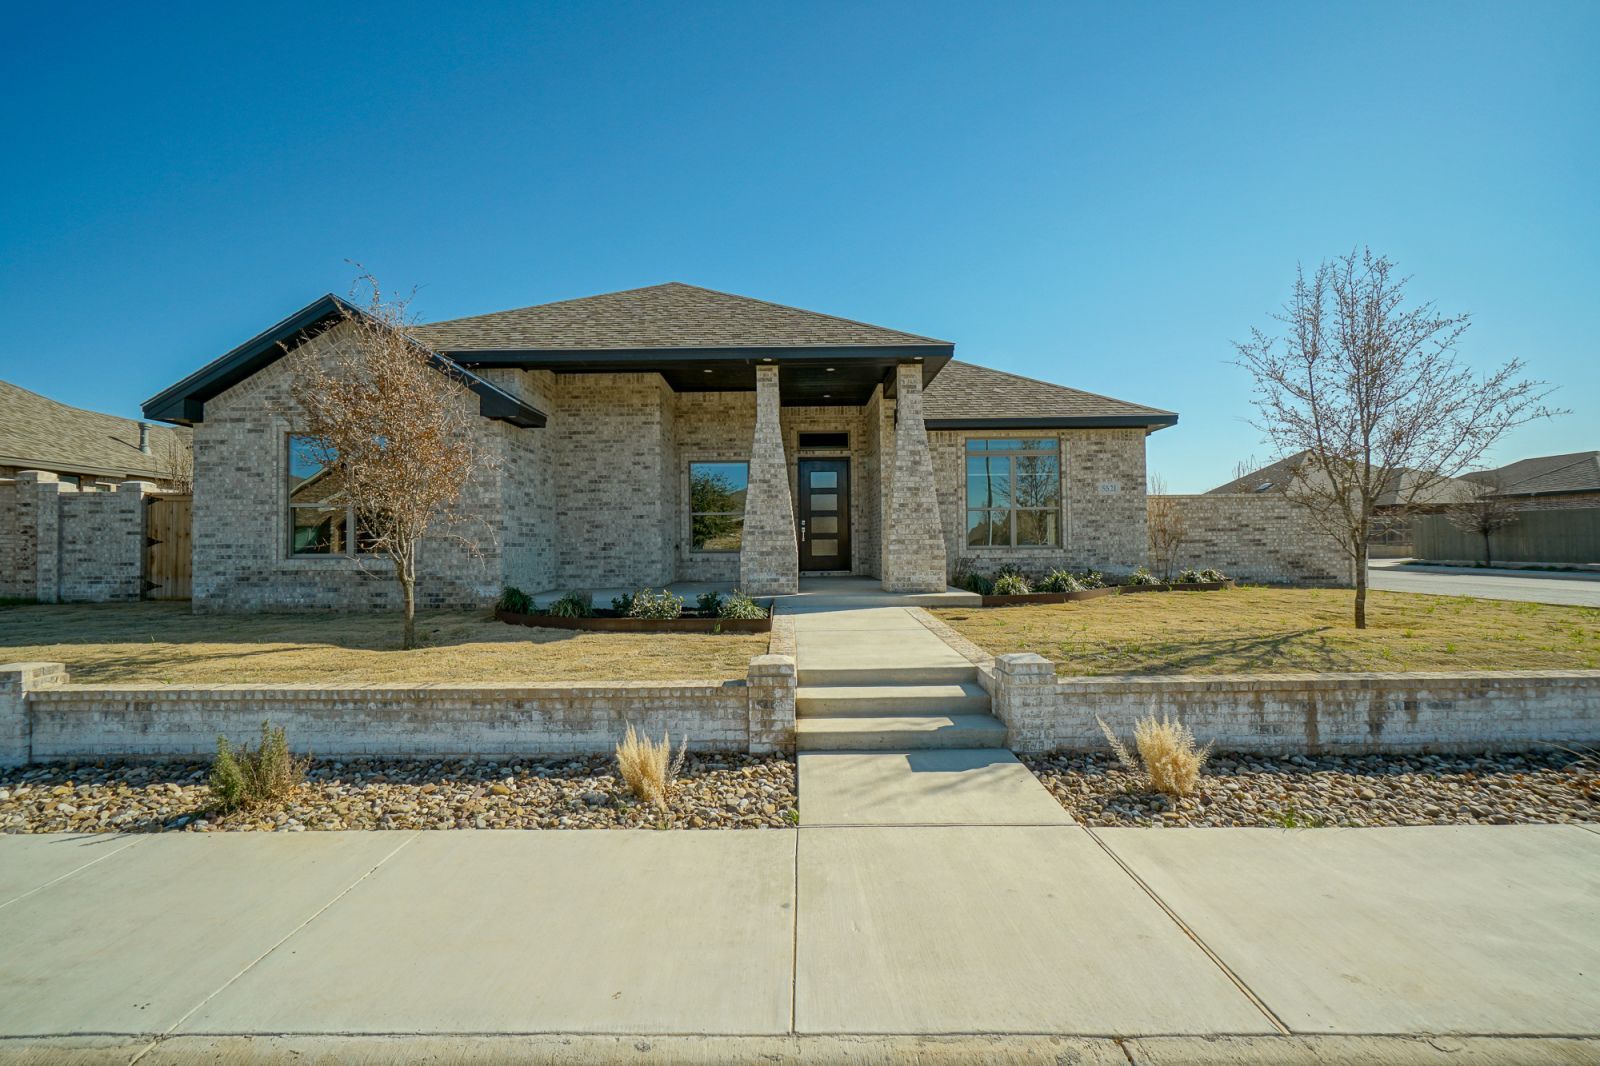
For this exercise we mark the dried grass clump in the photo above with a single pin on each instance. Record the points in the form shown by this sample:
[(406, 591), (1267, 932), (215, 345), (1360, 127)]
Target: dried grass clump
[(252, 778), (1168, 759), (648, 767)]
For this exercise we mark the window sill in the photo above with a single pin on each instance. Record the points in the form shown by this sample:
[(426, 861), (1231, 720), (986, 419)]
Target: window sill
[(329, 562)]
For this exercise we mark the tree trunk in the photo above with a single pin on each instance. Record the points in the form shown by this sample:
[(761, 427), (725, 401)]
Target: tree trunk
[(1361, 585), (1486, 560), (408, 591)]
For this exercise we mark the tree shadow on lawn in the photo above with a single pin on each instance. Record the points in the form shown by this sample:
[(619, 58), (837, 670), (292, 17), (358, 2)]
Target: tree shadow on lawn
[(1275, 653)]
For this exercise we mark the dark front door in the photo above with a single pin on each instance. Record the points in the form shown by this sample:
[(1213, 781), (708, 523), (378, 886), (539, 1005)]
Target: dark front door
[(824, 514)]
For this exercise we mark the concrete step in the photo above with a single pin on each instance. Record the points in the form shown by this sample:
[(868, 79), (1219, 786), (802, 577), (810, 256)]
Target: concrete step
[(899, 732), (860, 676), (841, 701)]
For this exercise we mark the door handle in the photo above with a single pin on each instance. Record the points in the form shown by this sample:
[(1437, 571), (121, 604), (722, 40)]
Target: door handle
[(802, 531)]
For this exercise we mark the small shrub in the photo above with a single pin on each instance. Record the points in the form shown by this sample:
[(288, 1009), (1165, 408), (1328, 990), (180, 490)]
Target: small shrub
[(1212, 574), (1060, 581), (1189, 576), (738, 605), (514, 601), (1141, 576), (965, 577), (574, 604), (1010, 585), (709, 603), (662, 605), (1168, 759), (623, 604), (1091, 579), (648, 767), (1010, 570), (250, 778)]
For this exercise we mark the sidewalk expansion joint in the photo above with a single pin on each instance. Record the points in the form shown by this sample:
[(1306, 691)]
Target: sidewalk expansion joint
[(75, 871), (1238, 982)]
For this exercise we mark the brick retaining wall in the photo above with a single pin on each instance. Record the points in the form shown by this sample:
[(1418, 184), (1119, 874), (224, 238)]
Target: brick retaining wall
[(44, 718)]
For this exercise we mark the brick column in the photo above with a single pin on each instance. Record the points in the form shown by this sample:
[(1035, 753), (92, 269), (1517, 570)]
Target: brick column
[(43, 490), (913, 544), (1025, 699), (771, 682), (16, 732), (769, 561)]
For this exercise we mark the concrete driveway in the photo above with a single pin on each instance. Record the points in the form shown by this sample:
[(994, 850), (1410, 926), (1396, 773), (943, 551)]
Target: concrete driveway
[(117, 947), (1532, 586)]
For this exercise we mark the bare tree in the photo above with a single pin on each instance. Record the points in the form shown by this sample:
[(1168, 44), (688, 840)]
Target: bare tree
[(393, 429), (176, 454), (1483, 512), (1168, 528), (1371, 389), (1245, 467)]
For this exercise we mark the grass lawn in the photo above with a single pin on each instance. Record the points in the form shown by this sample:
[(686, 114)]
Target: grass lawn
[(1261, 630), (164, 642)]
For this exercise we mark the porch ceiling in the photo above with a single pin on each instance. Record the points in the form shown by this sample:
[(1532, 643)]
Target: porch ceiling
[(817, 377)]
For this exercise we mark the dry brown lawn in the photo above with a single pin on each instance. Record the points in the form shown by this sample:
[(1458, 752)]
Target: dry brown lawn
[(1259, 630), (164, 642)]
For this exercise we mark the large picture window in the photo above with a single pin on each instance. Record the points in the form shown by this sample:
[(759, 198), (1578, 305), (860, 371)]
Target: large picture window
[(716, 505), (1013, 492), (321, 518)]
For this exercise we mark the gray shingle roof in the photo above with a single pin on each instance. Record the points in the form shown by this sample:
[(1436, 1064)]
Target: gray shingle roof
[(38, 433), (1573, 472), (1403, 485), (673, 315), (966, 392)]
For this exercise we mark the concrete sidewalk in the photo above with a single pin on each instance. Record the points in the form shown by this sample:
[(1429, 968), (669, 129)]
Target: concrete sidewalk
[(798, 937)]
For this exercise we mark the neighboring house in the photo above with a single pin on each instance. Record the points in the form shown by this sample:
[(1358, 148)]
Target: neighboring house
[(677, 433), (1546, 482), (85, 448)]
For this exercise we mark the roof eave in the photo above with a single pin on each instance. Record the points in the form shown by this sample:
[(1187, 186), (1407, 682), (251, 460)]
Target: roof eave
[(1151, 422)]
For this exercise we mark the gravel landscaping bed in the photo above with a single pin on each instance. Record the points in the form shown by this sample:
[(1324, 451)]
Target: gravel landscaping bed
[(1332, 790), (713, 792)]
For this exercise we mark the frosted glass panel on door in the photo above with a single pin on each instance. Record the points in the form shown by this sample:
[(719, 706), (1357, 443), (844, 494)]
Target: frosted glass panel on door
[(827, 524), (824, 501), (824, 479), (824, 547)]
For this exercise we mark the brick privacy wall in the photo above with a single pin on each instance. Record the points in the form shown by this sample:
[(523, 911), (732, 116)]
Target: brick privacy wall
[(59, 544), (1101, 530), (43, 718), (1334, 713), (1260, 537), (913, 546)]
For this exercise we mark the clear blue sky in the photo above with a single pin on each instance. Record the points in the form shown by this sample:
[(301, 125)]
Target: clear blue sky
[(1103, 196)]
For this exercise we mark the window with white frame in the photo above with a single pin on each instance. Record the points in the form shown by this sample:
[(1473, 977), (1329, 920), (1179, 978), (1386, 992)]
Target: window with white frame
[(1013, 492)]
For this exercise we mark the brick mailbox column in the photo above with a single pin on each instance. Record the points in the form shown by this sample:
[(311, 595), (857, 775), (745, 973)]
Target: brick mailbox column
[(16, 733), (913, 543), (769, 559), (1025, 699), (771, 681)]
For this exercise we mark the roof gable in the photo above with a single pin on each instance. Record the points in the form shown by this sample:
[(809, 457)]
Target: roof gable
[(672, 315), (38, 432), (968, 396)]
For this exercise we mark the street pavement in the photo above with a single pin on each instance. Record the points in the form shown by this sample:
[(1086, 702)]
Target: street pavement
[(1532, 586)]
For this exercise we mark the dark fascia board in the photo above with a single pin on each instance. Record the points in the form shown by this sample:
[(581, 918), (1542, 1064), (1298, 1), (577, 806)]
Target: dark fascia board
[(184, 403), (634, 360), (1151, 422)]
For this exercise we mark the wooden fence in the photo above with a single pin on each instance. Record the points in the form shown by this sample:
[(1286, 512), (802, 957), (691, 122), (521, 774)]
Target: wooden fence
[(1564, 536)]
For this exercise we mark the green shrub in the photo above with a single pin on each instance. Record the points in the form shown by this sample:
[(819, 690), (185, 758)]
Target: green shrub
[(1189, 576), (965, 577), (1010, 585), (1212, 574), (1011, 570), (661, 605), (738, 605), (575, 604), (1194, 576), (1059, 581), (623, 604), (709, 603), (514, 601), (250, 778), (1141, 576), (1091, 579)]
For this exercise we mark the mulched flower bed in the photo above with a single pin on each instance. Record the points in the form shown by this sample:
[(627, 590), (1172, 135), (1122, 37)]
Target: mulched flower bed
[(1024, 598), (713, 792), (1332, 790), (609, 621)]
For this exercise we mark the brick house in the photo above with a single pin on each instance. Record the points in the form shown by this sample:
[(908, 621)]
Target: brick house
[(674, 433)]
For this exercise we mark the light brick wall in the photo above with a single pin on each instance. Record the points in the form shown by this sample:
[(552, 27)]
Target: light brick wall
[(44, 718), (1337, 713), (1260, 537), (60, 544), (769, 562), (16, 541), (1101, 530), (913, 546)]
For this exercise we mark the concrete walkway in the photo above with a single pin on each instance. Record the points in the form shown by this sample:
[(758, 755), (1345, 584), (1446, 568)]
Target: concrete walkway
[(112, 946)]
